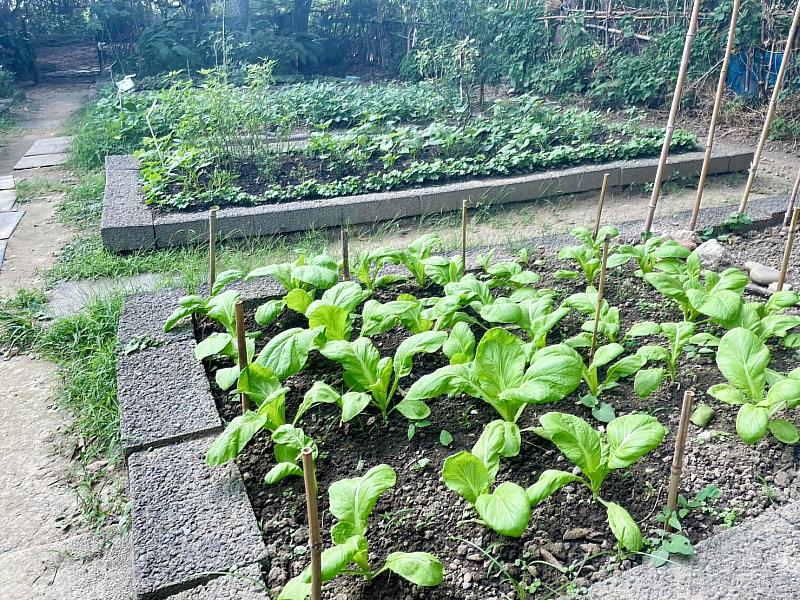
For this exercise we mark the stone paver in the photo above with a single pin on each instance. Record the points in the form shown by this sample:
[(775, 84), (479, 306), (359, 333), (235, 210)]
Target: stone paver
[(3, 244), (8, 222), (756, 560), (7, 199), (69, 297), (57, 145), (6, 182), (40, 161)]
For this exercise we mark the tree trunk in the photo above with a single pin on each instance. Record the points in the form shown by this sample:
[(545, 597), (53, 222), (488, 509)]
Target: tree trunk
[(300, 16)]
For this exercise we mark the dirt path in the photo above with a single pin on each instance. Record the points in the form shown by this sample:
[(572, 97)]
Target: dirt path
[(45, 551)]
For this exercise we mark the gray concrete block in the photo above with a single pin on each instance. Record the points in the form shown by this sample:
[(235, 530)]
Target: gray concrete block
[(527, 187), (188, 521), (7, 199), (684, 165), (719, 164), (587, 178), (638, 171), (6, 182), (8, 222), (163, 396), (791, 513), (372, 208), (730, 565), (144, 314), (126, 223), (253, 292), (242, 584), (122, 162), (740, 161)]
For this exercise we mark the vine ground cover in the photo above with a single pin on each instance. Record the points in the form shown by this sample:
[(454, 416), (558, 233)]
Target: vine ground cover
[(422, 514)]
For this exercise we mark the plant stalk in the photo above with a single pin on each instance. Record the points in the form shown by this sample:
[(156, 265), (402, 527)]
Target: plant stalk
[(676, 469), (673, 115), (600, 288), (712, 127), (241, 345), (314, 536), (464, 235), (600, 205), (792, 199), (345, 256), (773, 102), (212, 247), (787, 251)]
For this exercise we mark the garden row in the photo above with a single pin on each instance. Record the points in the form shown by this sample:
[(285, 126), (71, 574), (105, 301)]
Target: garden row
[(494, 336)]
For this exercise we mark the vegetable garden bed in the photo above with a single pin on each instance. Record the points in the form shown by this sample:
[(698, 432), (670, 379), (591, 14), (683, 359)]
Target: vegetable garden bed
[(565, 541)]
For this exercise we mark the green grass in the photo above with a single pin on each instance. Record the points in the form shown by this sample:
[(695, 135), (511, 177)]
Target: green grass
[(38, 188), (84, 201), (19, 319)]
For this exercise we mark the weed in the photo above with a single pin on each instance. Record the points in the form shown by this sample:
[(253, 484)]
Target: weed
[(19, 319)]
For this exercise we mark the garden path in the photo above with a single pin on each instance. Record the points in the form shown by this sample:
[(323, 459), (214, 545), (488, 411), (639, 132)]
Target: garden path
[(45, 551)]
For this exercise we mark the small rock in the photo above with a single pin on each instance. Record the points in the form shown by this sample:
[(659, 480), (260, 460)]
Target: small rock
[(761, 274), (773, 287), (713, 255), (580, 533), (474, 558)]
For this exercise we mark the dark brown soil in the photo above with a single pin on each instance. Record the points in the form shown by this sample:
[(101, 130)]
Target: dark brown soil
[(420, 513)]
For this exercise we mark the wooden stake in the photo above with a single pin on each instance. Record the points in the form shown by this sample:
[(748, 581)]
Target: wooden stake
[(773, 102), (677, 459), (787, 251), (601, 286), (792, 199), (241, 343), (212, 247), (345, 256), (464, 235), (673, 115), (314, 536), (600, 205), (712, 127)]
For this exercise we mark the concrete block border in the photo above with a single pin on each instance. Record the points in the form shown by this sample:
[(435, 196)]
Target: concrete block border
[(193, 529), (127, 224)]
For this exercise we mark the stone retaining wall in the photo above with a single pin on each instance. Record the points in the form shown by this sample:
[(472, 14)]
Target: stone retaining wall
[(127, 224)]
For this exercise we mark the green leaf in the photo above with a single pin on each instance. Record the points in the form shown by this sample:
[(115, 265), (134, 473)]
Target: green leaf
[(229, 444), (224, 279), (335, 559), (258, 382), (645, 328), (360, 360), (427, 342), (465, 474), (499, 361), (287, 353), (498, 438), (751, 423), (549, 482), (320, 393), (623, 368), (226, 378), (337, 322), (578, 440), (353, 404), (605, 354), (178, 315), (316, 276), (445, 438), (453, 379), (420, 568), (298, 300), (345, 294), (604, 412), (460, 345), (784, 431), (413, 409), (725, 392), (506, 510), (624, 527), (352, 500), (784, 391), (702, 415), (281, 471), (222, 309), (647, 381), (743, 359), (555, 372), (269, 311), (215, 344), (632, 436)]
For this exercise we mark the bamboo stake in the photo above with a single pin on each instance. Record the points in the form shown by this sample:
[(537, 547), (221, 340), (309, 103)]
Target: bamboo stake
[(464, 235), (676, 469), (241, 344), (212, 247), (673, 115), (345, 256), (314, 536), (787, 251), (712, 127), (773, 102), (601, 286), (792, 199), (600, 205)]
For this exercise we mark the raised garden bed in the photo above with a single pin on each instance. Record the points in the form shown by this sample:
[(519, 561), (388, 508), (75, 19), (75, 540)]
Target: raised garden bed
[(129, 224), (420, 512)]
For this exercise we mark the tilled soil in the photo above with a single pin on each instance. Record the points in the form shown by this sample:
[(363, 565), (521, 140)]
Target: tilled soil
[(568, 543)]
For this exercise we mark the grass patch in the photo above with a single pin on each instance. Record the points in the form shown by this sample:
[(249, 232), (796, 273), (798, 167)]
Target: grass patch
[(19, 319), (86, 258), (39, 188), (83, 204)]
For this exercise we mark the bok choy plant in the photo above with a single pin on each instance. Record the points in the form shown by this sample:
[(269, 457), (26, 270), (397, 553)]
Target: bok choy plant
[(406, 310), (366, 371), (627, 439), (301, 278), (351, 503), (530, 310), (201, 306), (649, 253), (607, 326), (502, 375), (590, 373), (743, 360), (588, 254), (471, 475)]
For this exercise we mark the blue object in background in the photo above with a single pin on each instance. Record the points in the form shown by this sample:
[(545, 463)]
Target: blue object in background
[(760, 70)]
